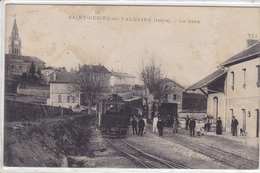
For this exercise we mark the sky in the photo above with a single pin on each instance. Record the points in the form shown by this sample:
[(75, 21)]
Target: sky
[(189, 42)]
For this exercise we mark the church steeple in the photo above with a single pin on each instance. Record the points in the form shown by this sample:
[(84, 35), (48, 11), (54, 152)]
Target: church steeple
[(15, 41)]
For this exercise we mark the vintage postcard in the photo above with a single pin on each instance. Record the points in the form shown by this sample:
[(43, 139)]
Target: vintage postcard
[(141, 87)]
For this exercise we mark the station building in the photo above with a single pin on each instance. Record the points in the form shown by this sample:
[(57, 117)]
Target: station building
[(234, 90)]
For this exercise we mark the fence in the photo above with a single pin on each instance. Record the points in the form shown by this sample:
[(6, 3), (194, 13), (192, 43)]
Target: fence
[(22, 111)]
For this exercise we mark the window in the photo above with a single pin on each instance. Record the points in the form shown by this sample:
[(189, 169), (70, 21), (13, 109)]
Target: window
[(68, 99), (73, 99), (258, 77), (233, 80), (244, 74), (244, 119), (20, 67), (12, 66), (174, 96), (166, 97), (59, 98)]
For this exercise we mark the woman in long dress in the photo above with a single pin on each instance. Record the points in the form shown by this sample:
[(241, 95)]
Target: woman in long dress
[(219, 127)]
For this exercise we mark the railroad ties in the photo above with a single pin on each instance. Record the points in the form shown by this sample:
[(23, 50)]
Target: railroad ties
[(144, 159), (227, 158)]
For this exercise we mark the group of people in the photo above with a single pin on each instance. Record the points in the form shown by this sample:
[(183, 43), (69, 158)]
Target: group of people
[(158, 126), (140, 124)]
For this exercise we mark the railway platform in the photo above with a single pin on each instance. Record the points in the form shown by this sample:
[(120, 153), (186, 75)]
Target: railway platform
[(245, 140), (250, 141)]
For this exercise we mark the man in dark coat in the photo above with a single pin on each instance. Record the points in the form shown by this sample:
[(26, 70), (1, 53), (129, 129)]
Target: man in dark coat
[(234, 124), (160, 126), (192, 126), (141, 125), (187, 122), (134, 126)]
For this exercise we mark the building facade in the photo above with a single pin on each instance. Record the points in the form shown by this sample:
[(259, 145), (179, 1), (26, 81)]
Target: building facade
[(172, 93), (64, 91), (234, 90)]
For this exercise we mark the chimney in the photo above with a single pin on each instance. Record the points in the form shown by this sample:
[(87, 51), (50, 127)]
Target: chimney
[(252, 39)]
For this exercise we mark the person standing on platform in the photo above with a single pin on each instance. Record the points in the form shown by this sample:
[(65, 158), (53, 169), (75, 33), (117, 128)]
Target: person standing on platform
[(234, 124), (160, 126), (134, 126), (187, 122), (141, 125), (145, 122), (175, 125), (155, 120), (219, 126), (192, 126)]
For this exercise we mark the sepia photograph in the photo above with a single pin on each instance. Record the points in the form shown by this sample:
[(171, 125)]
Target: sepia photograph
[(140, 87)]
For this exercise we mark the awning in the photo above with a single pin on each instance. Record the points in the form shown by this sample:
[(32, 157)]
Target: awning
[(207, 80)]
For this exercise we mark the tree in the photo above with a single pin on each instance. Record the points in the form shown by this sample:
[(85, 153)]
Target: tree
[(91, 86), (32, 78), (151, 75)]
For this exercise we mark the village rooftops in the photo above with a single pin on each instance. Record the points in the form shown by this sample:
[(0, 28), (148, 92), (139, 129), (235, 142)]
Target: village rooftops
[(28, 59), (122, 75), (207, 80), (247, 54), (94, 69), (172, 81)]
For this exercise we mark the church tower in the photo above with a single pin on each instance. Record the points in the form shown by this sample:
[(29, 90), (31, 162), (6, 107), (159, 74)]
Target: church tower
[(15, 41)]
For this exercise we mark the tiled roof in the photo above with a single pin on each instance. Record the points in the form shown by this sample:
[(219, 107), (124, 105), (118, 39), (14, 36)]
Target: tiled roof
[(207, 80), (24, 58), (249, 53), (172, 81), (94, 69), (122, 75), (47, 68), (63, 77)]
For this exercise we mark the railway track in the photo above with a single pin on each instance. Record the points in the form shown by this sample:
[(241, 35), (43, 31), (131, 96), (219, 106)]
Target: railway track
[(144, 159), (224, 157)]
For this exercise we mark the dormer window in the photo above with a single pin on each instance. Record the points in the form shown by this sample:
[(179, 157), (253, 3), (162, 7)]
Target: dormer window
[(244, 74), (258, 76), (233, 80)]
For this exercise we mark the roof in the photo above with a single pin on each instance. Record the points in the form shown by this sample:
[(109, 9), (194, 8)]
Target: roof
[(122, 75), (249, 53), (207, 80), (28, 59), (63, 77), (172, 81), (48, 68), (94, 69)]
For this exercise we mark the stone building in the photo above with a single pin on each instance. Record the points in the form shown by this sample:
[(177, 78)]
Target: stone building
[(172, 93), (64, 90), (97, 72), (234, 90), (121, 84)]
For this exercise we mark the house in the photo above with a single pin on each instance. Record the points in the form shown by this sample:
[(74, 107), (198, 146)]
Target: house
[(47, 71), (171, 93), (121, 84), (97, 72), (234, 90), (64, 90)]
